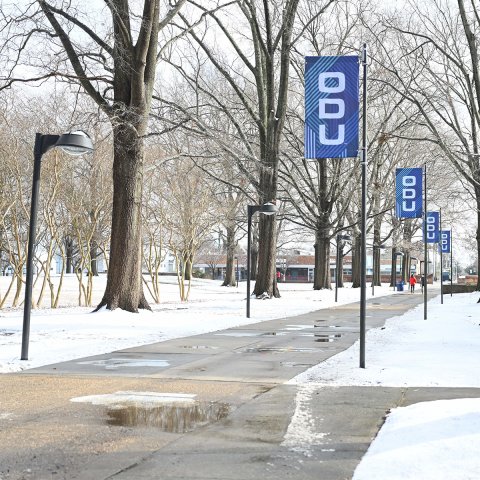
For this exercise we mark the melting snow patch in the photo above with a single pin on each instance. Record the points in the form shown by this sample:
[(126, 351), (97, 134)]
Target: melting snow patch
[(302, 434)]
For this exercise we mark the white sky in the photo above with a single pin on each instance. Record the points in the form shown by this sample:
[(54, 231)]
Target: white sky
[(432, 440)]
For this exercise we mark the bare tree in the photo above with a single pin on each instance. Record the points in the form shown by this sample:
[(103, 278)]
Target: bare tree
[(188, 216), (258, 87), (13, 204), (435, 64), (116, 67)]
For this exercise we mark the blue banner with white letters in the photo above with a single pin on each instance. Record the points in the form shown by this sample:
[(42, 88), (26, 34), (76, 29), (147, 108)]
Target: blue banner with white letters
[(433, 227), (445, 239), (408, 189), (331, 107)]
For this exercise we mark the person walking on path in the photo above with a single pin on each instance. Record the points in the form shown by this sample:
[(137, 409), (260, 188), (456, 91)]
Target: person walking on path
[(412, 282)]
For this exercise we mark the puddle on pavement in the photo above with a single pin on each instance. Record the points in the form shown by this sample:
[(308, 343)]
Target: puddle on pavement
[(239, 334), (174, 418), (278, 350), (297, 327), (170, 412), (327, 338), (342, 327), (199, 347), (322, 337), (295, 365), (115, 363)]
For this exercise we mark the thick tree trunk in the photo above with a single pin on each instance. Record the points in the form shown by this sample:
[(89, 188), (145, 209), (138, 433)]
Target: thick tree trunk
[(230, 280), (322, 261), (322, 235), (376, 277), (266, 281), (124, 283)]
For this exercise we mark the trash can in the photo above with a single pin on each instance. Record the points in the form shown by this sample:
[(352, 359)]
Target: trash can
[(400, 287)]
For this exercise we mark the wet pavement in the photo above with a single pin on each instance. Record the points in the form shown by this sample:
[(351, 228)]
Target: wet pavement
[(211, 406)]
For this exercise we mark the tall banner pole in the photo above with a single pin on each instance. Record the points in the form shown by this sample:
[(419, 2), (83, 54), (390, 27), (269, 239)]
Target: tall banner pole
[(425, 263), (441, 260), (451, 261), (331, 127), (363, 256)]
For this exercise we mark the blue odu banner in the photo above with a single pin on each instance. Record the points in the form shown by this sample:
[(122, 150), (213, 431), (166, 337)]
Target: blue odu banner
[(408, 188), (331, 107), (445, 241), (433, 227)]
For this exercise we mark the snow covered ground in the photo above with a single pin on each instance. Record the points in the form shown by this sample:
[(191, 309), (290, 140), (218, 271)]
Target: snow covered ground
[(430, 440)]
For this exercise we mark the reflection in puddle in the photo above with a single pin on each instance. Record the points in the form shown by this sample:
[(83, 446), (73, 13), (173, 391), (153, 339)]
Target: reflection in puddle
[(175, 418), (327, 338), (278, 349), (239, 334), (297, 327), (199, 347), (6, 333), (294, 364), (114, 363)]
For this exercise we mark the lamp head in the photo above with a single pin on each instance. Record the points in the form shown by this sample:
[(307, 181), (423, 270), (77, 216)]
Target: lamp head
[(268, 209), (344, 237), (75, 143)]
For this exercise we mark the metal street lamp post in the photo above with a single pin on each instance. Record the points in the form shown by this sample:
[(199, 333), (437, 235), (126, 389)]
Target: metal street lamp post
[(73, 143), (266, 209), (451, 262), (337, 269), (441, 257)]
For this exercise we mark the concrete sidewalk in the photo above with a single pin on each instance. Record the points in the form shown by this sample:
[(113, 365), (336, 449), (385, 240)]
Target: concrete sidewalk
[(232, 427)]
